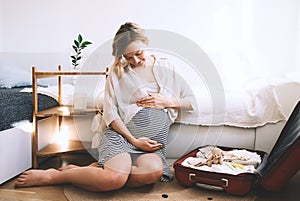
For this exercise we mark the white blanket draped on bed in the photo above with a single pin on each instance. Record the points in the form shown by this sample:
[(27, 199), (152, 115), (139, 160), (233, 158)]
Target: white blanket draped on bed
[(246, 108), (242, 108)]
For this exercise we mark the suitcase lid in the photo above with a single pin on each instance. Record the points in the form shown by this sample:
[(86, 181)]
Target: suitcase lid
[(288, 136)]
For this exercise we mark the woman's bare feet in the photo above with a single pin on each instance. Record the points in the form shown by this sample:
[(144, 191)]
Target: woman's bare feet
[(34, 178)]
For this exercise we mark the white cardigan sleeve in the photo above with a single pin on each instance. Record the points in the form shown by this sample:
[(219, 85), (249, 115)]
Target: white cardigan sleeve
[(184, 93), (173, 85), (110, 109)]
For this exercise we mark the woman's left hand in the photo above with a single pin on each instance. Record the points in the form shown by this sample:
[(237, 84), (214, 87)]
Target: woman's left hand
[(154, 100)]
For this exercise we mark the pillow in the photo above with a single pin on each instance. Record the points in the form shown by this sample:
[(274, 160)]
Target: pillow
[(13, 76), (17, 76)]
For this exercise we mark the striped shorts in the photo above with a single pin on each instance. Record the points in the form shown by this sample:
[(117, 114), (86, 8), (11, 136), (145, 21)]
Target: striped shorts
[(151, 123)]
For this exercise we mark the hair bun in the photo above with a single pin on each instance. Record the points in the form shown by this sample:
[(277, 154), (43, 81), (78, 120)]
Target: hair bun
[(129, 26)]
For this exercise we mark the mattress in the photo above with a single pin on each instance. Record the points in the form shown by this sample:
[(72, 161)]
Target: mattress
[(16, 106)]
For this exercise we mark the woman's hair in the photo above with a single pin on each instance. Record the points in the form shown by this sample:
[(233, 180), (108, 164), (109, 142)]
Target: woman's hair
[(127, 33)]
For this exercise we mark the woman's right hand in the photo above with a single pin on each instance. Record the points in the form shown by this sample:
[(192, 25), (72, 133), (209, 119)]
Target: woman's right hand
[(147, 144), (142, 143)]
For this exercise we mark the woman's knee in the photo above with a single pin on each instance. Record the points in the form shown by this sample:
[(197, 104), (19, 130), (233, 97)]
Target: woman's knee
[(138, 178), (119, 163), (117, 170), (150, 167), (150, 163), (153, 177), (119, 180)]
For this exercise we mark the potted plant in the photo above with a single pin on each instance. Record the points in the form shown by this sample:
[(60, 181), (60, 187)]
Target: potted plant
[(78, 46)]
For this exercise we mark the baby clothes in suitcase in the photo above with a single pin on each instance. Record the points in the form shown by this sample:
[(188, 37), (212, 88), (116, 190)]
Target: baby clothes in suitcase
[(272, 173)]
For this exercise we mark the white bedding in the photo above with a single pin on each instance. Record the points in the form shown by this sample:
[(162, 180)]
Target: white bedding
[(52, 91), (247, 108)]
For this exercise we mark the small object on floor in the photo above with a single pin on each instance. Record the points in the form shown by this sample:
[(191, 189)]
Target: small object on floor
[(164, 195)]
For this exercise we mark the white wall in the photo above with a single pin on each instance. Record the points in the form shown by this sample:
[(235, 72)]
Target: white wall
[(298, 40), (59, 21), (249, 37), (274, 35), (1, 13)]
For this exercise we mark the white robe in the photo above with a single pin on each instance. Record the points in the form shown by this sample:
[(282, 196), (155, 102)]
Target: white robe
[(121, 94)]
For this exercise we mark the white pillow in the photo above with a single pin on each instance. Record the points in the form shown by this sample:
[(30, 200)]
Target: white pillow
[(13, 76)]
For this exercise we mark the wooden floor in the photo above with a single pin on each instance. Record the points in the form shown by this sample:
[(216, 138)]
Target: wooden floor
[(56, 193), (45, 193)]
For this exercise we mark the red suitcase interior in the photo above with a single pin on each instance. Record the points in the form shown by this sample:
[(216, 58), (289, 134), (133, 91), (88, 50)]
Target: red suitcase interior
[(284, 160), (272, 174)]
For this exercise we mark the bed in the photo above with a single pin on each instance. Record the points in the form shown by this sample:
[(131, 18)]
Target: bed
[(15, 126), (16, 107), (15, 130)]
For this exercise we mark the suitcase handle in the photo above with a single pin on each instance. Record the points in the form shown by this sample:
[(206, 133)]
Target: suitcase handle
[(214, 184)]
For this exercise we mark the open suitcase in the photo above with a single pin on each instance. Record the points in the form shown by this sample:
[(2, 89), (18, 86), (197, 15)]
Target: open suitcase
[(275, 170)]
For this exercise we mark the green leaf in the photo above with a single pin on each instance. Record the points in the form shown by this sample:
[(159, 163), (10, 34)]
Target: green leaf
[(75, 48), (76, 43), (79, 38), (78, 46), (85, 43)]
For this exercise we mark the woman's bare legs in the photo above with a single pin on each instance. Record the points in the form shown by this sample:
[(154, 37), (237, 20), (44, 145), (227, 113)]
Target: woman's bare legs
[(148, 170), (113, 176), (71, 166), (68, 167)]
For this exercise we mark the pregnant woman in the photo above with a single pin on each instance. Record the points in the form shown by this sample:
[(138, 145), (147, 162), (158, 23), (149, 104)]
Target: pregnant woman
[(143, 96)]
